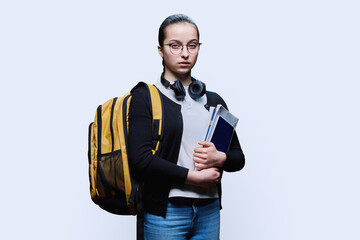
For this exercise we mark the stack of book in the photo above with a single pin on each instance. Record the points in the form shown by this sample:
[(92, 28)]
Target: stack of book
[(221, 126)]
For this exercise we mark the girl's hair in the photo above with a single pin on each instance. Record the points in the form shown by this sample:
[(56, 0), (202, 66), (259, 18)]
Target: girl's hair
[(176, 18)]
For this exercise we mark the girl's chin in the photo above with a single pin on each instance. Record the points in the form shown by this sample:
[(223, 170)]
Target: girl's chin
[(184, 70), (180, 72)]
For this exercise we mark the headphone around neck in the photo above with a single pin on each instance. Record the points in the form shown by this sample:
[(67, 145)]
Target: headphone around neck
[(196, 88)]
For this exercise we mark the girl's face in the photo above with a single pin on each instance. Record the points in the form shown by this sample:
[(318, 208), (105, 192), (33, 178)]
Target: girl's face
[(179, 66)]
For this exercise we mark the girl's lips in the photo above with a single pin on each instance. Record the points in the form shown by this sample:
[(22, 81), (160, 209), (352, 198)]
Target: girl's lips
[(184, 64)]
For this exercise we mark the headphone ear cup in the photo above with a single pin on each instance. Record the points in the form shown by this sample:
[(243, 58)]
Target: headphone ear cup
[(197, 89), (179, 90)]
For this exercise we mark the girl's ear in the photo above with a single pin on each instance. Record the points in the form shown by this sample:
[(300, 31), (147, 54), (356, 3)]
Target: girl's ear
[(160, 50)]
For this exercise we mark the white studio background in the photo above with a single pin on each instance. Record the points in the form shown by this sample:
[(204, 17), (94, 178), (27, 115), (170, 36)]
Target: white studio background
[(288, 69)]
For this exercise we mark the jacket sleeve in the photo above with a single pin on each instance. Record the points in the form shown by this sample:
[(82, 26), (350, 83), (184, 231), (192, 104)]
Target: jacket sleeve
[(235, 159), (143, 163)]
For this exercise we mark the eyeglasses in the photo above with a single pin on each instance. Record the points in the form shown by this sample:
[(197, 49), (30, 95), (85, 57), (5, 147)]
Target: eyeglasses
[(176, 48)]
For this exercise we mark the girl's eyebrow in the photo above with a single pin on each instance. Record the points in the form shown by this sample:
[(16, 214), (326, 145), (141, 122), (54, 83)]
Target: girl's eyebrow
[(174, 40)]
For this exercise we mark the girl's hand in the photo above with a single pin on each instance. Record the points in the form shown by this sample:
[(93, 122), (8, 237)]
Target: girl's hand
[(207, 156), (205, 178)]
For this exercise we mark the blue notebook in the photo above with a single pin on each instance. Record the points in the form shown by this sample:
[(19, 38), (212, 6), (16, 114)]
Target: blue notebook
[(221, 126), (222, 135)]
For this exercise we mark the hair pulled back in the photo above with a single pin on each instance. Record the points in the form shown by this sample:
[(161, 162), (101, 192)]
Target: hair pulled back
[(176, 18)]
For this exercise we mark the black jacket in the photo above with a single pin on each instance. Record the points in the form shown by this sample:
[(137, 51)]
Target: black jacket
[(159, 172)]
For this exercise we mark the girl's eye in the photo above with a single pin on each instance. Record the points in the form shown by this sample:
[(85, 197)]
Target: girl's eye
[(175, 46), (192, 46)]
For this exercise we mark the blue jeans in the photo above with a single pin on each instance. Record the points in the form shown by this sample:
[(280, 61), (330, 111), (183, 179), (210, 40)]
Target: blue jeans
[(184, 222)]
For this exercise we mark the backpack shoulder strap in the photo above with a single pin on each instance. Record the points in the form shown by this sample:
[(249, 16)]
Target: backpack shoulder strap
[(157, 113)]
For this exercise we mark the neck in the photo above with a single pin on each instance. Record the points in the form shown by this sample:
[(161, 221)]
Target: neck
[(185, 79)]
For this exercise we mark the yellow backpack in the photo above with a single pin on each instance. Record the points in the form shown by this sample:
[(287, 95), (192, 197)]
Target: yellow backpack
[(111, 184)]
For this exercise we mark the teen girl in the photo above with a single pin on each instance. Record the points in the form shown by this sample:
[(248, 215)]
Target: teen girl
[(182, 188)]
